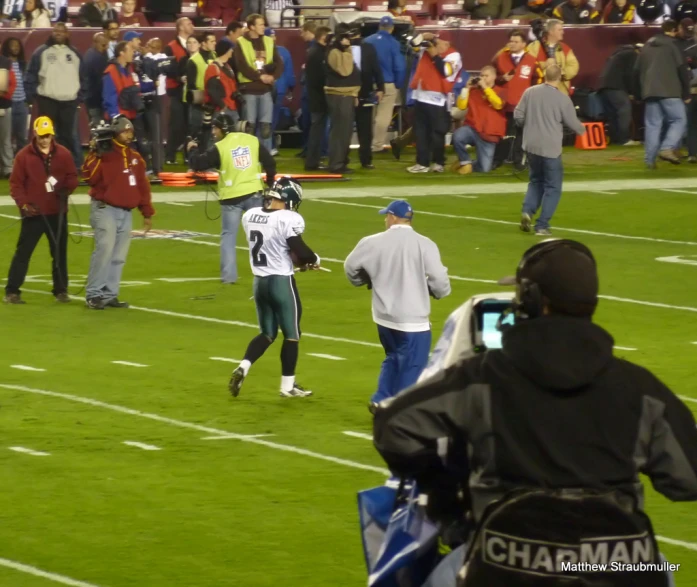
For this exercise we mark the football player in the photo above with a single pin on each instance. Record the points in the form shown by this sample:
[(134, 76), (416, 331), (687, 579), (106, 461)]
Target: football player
[(274, 233)]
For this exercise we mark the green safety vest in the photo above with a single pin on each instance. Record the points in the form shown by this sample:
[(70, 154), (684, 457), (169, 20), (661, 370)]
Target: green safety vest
[(240, 170), (250, 54), (201, 66)]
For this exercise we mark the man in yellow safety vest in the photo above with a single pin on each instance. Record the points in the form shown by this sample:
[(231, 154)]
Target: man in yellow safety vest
[(239, 157), (258, 66)]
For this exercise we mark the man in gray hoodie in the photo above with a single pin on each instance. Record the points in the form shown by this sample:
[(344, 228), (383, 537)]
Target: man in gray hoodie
[(664, 85), (403, 268)]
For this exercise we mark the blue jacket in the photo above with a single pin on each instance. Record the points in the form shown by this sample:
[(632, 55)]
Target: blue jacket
[(110, 94), (287, 80), (392, 61), (95, 64)]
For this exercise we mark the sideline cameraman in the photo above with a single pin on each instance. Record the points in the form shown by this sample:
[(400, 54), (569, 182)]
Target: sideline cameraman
[(239, 158), (43, 177), (552, 409), (433, 80), (118, 183), (550, 49)]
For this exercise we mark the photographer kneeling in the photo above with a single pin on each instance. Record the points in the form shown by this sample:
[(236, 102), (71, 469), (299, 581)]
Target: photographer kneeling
[(552, 409), (118, 183), (485, 122), (239, 157)]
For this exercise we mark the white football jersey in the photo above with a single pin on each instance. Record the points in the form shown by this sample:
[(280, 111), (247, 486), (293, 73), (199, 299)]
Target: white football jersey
[(267, 231)]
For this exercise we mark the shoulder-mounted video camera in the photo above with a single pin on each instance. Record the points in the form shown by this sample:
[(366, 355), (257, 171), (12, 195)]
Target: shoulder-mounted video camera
[(418, 42), (101, 137)]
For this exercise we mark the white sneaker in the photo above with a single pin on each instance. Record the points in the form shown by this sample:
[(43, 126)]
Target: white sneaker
[(274, 152), (436, 168), (417, 169), (297, 391), (632, 144)]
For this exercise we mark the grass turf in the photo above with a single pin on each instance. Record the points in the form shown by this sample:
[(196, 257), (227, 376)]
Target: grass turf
[(211, 513)]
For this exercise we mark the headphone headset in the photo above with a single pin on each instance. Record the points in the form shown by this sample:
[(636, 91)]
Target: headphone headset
[(225, 123), (529, 302)]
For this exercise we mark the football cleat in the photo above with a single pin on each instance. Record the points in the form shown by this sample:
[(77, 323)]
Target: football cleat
[(236, 380), (297, 391)]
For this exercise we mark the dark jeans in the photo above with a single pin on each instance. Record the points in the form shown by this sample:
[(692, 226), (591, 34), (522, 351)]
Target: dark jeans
[(305, 118), (544, 189), (430, 127), (619, 115), (178, 124), (692, 127), (152, 124), (32, 230), (20, 124), (510, 148), (341, 116), (364, 129), (63, 115)]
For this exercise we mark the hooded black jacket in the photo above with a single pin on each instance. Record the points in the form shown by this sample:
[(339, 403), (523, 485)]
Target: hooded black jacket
[(553, 408), (662, 70)]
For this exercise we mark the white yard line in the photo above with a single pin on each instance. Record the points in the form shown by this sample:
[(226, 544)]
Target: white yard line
[(236, 436), (680, 192), (225, 359), (69, 223), (329, 357), (688, 545), (179, 204), (186, 279), (510, 223), (197, 427), (27, 368), (605, 192), (129, 364), (358, 435), (29, 451), (625, 348), (29, 570), (141, 445)]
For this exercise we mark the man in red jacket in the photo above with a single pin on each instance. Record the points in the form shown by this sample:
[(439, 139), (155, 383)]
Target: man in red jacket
[(118, 184), (485, 123), (43, 177), (515, 71)]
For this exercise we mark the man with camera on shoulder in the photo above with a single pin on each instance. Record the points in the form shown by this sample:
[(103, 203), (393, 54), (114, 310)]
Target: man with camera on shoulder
[(553, 411), (118, 183)]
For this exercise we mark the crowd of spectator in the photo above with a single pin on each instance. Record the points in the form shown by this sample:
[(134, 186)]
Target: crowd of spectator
[(348, 83)]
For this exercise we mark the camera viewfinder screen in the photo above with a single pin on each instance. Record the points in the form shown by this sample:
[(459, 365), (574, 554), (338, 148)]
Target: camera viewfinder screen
[(491, 336)]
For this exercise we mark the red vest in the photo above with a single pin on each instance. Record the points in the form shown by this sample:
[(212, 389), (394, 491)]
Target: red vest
[(523, 78), (179, 53), (121, 82), (228, 81), (430, 78), (489, 123)]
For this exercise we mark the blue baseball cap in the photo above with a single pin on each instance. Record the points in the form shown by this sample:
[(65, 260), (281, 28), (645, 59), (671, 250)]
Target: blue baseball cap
[(387, 21), (130, 35), (269, 32), (400, 209)]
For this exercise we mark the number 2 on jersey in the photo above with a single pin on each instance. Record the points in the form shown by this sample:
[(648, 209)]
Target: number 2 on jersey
[(258, 259)]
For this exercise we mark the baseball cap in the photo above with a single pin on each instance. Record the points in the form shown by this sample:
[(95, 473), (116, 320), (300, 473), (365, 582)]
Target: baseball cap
[(387, 21), (269, 32), (399, 208), (43, 126), (120, 124), (130, 35), (564, 273), (688, 24)]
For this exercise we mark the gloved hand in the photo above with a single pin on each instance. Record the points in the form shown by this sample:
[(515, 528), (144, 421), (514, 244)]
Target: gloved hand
[(30, 210)]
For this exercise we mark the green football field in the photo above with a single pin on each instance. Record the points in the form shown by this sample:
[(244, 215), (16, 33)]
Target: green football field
[(143, 471)]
